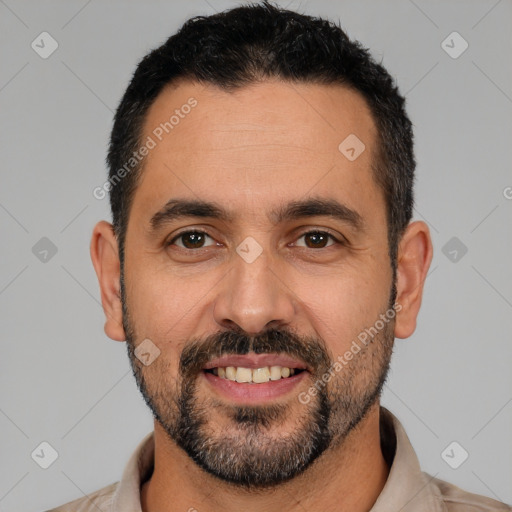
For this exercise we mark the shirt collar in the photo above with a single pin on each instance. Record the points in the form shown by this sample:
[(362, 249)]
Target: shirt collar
[(407, 488), (139, 467)]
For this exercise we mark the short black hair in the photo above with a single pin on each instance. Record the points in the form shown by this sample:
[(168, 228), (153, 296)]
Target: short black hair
[(249, 44)]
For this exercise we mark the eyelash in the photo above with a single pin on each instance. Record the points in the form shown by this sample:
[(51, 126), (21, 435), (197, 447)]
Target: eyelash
[(199, 231)]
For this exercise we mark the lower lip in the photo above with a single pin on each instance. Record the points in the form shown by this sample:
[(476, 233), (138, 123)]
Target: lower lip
[(254, 393)]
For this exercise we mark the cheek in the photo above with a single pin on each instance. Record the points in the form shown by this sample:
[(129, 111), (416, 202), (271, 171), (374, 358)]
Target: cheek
[(341, 307), (163, 306)]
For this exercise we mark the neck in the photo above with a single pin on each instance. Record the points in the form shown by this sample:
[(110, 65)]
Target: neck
[(349, 477)]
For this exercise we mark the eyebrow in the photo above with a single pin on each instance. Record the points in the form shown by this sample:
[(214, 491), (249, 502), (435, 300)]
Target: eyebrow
[(176, 209)]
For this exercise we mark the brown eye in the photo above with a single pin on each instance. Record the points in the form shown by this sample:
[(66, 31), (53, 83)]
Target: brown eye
[(316, 240), (191, 240)]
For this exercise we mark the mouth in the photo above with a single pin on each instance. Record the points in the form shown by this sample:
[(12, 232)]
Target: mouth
[(254, 377)]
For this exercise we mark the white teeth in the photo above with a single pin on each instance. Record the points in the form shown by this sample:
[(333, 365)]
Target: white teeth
[(243, 374), (230, 373), (261, 375), (257, 375), (275, 372)]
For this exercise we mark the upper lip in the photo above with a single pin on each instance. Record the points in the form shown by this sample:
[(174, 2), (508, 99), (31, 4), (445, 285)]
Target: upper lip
[(254, 361)]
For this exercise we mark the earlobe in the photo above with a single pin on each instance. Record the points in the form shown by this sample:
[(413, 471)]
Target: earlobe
[(413, 261), (105, 258)]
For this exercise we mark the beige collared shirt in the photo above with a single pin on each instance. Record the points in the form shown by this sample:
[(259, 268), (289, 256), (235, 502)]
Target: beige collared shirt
[(407, 488)]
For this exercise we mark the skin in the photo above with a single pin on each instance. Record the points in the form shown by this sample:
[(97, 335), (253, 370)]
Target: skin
[(253, 150)]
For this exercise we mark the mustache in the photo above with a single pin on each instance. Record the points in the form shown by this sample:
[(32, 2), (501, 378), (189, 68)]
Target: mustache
[(197, 353)]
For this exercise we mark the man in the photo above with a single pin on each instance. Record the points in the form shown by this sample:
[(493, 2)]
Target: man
[(260, 264)]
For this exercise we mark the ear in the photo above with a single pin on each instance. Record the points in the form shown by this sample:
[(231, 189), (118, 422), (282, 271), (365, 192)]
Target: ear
[(105, 258), (413, 261)]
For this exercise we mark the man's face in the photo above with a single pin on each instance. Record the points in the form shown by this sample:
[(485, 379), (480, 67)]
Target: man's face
[(274, 282)]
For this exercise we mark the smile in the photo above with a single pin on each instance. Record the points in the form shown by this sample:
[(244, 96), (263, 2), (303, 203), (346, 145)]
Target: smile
[(255, 376)]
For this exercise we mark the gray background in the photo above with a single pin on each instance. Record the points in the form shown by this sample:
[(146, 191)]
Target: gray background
[(64, 382)]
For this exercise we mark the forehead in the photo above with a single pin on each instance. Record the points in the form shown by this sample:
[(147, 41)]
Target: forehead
[(257, 144)]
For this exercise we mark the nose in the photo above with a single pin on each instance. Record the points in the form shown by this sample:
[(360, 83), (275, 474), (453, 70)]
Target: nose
[(253, 297)]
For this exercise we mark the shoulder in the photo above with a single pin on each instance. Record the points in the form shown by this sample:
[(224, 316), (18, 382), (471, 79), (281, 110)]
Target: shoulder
[(98, 500), (457, 500)]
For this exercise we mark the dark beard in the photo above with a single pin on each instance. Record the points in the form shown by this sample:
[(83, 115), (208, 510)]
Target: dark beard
[(251, 455)]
